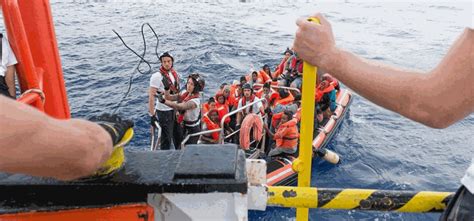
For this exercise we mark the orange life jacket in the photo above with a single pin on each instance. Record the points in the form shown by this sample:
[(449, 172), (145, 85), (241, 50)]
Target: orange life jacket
[(281, 67), (275, 119), (286, 100), (205, 109), (320, 93), (222, 110), (287, 135), (333, 81), (211, 125), (264, 76), (297, 115)]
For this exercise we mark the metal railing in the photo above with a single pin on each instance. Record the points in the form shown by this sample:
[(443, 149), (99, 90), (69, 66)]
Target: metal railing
[(198, 134), (154, 144), (221, 136), (280, 87)]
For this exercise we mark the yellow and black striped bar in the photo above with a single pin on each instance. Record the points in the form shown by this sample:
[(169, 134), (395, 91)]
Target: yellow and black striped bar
[(358, 199)]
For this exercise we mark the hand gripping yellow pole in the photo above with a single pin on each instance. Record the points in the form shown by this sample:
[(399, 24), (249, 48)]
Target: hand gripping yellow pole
[(302, 165)]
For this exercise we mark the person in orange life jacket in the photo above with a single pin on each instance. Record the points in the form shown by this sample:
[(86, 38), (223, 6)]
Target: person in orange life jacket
[(188, 105), (222, 110), (270, 96), (235, 97), (210, 104), (248, 97), (222, 107), (286, 135), (281, 67), (254, 79), (265, 74), (222, 86), (326, 98), (210, 122), (159, 112), (333, 81), (297, 102), (297, 73), (293, 71), (7, 68), (285, 97)]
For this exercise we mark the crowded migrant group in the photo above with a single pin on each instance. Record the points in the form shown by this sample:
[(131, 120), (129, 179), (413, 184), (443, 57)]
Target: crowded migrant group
[(271, 98)]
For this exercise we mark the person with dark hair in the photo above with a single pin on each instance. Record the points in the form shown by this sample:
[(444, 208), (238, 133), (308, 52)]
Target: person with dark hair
[(286, 135), (243, 80), (248, 98), (254, 79), (159, 112), (210, 104), (210, 122), (265, 74), (7, 68), (222, 86), (285, 97), (270, 96), (188, 105), (282, 66), (332, 81), (326, 98), (412, 94)]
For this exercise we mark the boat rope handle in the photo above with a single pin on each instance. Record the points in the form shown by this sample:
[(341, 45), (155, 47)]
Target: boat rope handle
[(35, 90)]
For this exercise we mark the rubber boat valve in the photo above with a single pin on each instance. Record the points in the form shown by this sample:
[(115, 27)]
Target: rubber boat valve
[(328, 155)]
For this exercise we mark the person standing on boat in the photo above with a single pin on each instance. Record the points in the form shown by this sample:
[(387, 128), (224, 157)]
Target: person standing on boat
[(189, 106), (159, 112), (412, 94), (248, 98), (7, 69)]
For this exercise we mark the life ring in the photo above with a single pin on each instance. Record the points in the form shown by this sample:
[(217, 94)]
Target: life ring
[(251, 121)]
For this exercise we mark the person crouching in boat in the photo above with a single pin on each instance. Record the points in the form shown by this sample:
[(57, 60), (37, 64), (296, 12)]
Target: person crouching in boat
[(286, 135), (210, 122), (188, 106), (332, 81), (326, 98), (248, 97)]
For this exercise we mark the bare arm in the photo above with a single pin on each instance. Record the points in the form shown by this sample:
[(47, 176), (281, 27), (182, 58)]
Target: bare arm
[(151, 100), (239, 118), (437, 99), (181, 106), (10, 80), (171, 97), (36, 144)]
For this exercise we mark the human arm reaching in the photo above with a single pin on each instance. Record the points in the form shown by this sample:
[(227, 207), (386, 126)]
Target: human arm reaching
[(35, 144), (437, 98)]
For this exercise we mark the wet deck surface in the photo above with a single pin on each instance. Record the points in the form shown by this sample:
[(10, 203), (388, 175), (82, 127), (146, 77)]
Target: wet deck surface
[(198, 169)]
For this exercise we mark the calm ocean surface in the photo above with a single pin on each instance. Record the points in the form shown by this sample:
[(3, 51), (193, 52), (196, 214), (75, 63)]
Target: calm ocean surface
[(223, 39)]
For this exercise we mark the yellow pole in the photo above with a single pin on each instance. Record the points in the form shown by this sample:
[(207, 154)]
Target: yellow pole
[(360, 199), (302, 165)]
